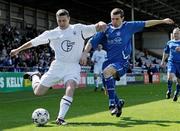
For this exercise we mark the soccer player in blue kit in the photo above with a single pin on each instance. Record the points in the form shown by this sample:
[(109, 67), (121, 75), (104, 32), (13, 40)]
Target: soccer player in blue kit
[(116, 41), (172, 51)]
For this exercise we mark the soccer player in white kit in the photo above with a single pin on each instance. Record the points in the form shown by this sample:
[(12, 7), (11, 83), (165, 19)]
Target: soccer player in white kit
[(98, 57), (67, 41)]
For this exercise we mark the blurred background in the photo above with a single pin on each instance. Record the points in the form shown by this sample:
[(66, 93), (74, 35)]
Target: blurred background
[(23, 20)]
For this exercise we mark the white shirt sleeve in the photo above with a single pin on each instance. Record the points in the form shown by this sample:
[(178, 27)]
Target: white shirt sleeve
[(88, 30), (41, 39)]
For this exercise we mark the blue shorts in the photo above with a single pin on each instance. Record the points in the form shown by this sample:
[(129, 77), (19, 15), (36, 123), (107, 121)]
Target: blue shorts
[(120, 67), (174, 68)]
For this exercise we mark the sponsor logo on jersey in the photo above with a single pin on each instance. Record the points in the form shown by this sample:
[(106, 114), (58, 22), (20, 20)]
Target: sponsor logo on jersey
[(118, 33), (117, 40), (67, 45)]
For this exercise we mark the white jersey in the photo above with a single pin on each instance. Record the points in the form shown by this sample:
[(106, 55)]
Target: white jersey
[(67, 44), (98, 58)]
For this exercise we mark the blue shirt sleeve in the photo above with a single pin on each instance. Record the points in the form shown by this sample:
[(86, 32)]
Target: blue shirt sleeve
[(135, 26), (98, 38)]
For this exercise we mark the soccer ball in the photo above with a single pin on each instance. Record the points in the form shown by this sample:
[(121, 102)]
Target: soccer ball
[(40, 116)]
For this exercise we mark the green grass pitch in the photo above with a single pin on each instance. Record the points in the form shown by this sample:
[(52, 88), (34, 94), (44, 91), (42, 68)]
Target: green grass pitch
[(146, 109)]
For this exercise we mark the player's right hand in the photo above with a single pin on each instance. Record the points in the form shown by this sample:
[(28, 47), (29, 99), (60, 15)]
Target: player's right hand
[(83, 59), (14, 52)]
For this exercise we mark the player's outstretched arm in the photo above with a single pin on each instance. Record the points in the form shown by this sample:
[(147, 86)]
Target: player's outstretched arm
[(21, 48), (150, 23)]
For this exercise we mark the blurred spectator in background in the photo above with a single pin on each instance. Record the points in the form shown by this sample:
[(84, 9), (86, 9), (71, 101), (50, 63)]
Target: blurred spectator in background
[(98, 57)]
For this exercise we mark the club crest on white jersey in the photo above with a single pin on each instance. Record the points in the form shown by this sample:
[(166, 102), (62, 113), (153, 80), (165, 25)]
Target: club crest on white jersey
[(67, 45)]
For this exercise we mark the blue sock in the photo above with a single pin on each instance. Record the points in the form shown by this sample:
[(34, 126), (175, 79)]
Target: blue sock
[(111, 89), (117, 100), (169, 86), (116, 97), (177, 89)]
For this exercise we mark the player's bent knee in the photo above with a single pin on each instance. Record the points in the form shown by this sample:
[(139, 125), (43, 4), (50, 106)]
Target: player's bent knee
[(170, 78), (108, 72), (38, 93), (40, 90)]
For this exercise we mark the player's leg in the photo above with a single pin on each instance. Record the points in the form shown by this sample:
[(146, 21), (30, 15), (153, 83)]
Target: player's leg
[(35, 77), (119, 105), (169, 84), (110, 85), (96, 72), (70, 82), (66, 101), (121, 70), (115, 104), (96, 81), (109, 71), (103, 84), (170, 74), (175, 97), (102, 79)]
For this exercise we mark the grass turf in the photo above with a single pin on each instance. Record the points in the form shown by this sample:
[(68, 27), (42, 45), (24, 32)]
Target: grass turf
[(146, 109)]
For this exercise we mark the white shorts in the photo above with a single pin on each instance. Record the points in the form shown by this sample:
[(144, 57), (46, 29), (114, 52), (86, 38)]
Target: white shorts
[(61, 71), (97, 69)]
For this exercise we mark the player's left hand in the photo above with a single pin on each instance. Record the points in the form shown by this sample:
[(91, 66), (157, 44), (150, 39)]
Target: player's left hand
[(101, 26), (168, 21)]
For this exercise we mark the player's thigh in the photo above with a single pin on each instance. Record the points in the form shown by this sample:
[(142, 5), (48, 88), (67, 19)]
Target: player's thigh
[(170, 75), (41, 90), (72, 74), (96, 75), (70, 86), (177, 70), (121, 68), (109, 71), (171, 70), (50, 78), (96, 70)]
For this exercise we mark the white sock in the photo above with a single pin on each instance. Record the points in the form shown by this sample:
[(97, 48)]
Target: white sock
[(35, 81), (96, 82), (64, 106)]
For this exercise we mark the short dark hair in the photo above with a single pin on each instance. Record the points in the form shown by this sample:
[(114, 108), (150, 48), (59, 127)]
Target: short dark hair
[(62, 12), (176, 28), (117, 11)]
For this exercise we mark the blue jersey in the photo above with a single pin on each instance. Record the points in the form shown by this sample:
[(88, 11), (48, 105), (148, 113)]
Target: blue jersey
[(117, 41), (174, 56)]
